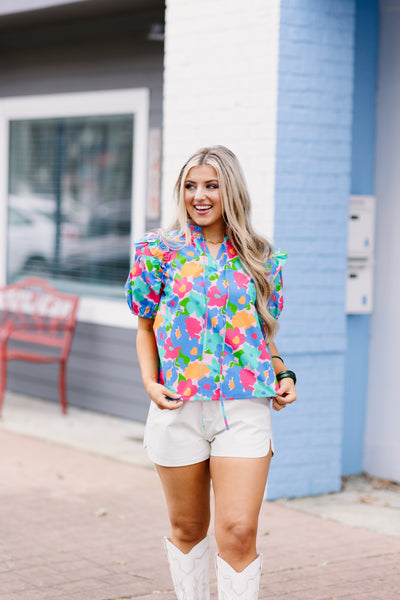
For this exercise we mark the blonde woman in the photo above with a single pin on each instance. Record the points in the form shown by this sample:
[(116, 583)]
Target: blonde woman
[(207, 294)]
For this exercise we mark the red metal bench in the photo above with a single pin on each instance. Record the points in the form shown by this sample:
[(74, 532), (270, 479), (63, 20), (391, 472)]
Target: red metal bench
[(37, 324)]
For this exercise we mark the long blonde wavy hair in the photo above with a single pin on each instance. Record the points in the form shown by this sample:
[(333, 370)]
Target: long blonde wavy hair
[(253, 249)]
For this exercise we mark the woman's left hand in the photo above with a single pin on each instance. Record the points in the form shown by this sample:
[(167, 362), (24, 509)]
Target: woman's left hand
[(285, 394)]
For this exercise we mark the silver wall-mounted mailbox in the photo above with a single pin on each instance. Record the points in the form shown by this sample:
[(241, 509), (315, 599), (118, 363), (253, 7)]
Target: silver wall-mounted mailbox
[(361, 227), (359, 297), (359, 287)]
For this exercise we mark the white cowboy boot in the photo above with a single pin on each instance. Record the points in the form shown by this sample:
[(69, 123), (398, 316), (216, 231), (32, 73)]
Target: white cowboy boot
[(233, 585), (190, 572)]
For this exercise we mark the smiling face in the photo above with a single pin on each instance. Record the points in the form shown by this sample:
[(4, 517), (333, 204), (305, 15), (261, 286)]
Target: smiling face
[(203, 201)]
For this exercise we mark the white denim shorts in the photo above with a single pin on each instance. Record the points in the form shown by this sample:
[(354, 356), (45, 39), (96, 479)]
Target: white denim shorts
[(176, 438)]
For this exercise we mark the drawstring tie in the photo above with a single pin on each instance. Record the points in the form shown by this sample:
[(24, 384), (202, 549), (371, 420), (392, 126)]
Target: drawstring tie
[(222, 359), (223, 311), (224, 414), (202, 358), (202, 412)]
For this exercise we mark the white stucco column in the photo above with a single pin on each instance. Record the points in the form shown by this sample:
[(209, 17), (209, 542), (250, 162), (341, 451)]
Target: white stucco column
[(220, 87)]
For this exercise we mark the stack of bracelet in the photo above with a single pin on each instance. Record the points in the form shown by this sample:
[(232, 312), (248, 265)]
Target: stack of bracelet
[(284, 374)]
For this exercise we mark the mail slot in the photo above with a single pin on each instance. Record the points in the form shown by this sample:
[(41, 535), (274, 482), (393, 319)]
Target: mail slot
[(359, 287), (361, 227)]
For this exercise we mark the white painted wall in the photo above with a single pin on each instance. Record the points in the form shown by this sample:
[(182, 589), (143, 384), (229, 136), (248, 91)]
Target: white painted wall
[(382, 440), (220, 87)]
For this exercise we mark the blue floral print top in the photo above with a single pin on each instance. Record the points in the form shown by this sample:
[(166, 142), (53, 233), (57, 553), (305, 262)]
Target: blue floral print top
[(208, 332)]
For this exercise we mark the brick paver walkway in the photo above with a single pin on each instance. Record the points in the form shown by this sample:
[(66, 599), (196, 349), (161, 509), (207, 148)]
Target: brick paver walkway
[(75, 526)]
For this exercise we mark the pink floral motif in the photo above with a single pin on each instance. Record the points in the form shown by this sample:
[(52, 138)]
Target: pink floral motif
[(216, 395), (171, 350), (234, 338), (247, 379), (241, 279), (187, 389), (153, 296), (215, 298), (182, 287), (193, 327), (262, 348), (136, 271)]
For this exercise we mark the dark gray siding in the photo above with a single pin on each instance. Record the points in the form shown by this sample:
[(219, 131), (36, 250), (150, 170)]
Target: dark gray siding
[(94, 54), (104, 52), (103, 374)]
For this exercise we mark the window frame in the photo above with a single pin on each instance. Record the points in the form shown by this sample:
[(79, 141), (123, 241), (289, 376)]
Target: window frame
[(80, 104)]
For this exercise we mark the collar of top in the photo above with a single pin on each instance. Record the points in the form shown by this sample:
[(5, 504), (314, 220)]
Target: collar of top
[(196, 233), (195, 229)]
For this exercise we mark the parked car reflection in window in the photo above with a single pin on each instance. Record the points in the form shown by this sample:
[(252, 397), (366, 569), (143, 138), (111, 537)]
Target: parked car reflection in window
[(103, 251)]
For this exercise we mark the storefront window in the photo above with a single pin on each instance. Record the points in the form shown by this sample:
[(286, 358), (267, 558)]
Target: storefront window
[(69, 201)]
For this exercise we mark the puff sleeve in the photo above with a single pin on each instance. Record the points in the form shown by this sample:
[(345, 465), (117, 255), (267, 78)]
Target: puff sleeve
[(144, 285), (274, 268)]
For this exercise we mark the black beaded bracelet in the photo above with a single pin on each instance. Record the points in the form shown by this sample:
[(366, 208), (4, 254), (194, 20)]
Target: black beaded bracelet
[(284, 374), (276, 356)]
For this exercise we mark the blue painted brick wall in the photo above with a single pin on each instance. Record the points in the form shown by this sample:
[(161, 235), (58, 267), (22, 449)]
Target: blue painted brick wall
[(313, 175), (363, 182)]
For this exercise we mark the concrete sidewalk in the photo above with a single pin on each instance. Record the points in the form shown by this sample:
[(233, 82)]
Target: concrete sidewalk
[(76, 525)]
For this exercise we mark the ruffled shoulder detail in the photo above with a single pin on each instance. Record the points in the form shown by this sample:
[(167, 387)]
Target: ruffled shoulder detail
[(274, 266), (275, 262), (154, 244), (144, 285), (173, 236)]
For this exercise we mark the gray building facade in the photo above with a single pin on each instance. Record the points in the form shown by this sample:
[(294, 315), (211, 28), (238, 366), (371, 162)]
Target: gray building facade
[(71, 47)]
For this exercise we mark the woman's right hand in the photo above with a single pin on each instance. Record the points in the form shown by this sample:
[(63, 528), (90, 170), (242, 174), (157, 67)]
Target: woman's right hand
[(159, 394)]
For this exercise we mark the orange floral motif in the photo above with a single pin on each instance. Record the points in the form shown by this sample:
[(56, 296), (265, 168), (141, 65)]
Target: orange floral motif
[(243, 319), (158, 321), (157, 252), (192, 269), (194, 370)]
